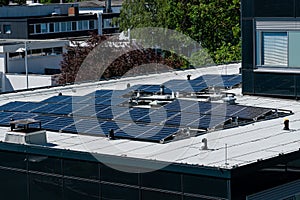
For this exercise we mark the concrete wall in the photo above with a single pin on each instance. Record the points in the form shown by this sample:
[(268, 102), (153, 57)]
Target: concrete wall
[(36, 64)]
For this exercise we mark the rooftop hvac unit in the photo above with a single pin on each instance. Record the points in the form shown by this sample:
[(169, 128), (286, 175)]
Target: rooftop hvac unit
[(24, 131)]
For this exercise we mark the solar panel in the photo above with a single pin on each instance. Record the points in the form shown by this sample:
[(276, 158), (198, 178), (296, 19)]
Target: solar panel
[(132, 114), (87, 110), (158, 116), (209, 122), (111, 112), (27, 107), (5, 118), (82, 126), (12, 105), (108, 125), (57, 99), (58, 123), (252, 113), (146, 132)]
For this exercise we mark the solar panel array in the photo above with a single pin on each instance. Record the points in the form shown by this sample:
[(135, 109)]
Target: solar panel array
[(99, 112), (198, 84)]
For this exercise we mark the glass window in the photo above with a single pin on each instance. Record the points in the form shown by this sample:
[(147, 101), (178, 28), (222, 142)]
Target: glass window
[(92, 24), (63, 26), (44, 164), (118, 192), (79, 25), (112, 175), (36, 52), (13, 184), (150, 195), (44, 28), (15, 160), (37, 28), (85, 25), (74, 26), (275, 48), (58, 50), (7, 29), (81, 169), (51, 27), (47, 51), (14, 55), (69, 26), (48, 187), (168, 181), (56, 27), (31, 29), (208, 186), (78, 190)]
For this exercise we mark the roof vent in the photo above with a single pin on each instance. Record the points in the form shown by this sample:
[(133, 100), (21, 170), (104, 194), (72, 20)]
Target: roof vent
[(24, 131), (204, 144), (111, 134), (229, 99)]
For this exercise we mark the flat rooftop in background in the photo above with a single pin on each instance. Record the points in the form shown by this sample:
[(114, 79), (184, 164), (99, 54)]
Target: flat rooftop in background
[(245, 144)]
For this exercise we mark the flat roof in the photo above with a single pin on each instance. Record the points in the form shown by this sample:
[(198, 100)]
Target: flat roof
[(245, 144)]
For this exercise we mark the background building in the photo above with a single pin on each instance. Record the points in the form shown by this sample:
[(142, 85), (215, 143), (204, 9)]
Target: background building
[(30, 63), (270, 47)]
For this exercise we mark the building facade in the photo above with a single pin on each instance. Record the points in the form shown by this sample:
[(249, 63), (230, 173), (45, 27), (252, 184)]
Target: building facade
[(270, 47), (45, 22)]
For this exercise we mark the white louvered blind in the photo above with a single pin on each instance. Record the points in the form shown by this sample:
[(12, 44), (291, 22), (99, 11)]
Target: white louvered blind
[(275, 49)]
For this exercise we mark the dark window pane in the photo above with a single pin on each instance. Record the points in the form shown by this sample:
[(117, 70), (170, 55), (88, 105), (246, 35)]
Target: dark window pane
[(51, 27), (74, 26), (81, 169), (7, 29), (264, 84), (161, 180), (112, 175), (45, 187), (44, 164), (58, 50), (274, 8), (91, 23), (31, 29), (209, 186), (195, 198), (13, 185), (10, 159), (117, 192), (152, 195), (37, 28), (78, 190)]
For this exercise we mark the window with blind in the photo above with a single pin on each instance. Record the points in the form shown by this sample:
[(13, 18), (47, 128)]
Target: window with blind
[(275, 49)]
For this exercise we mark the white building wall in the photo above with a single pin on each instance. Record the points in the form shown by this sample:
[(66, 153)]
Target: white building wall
[(36, 64), (18, 82), (2, 62)]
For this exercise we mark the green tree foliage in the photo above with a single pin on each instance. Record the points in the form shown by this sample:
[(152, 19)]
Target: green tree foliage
[(143, 13), (215, 24), (4, 2)]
